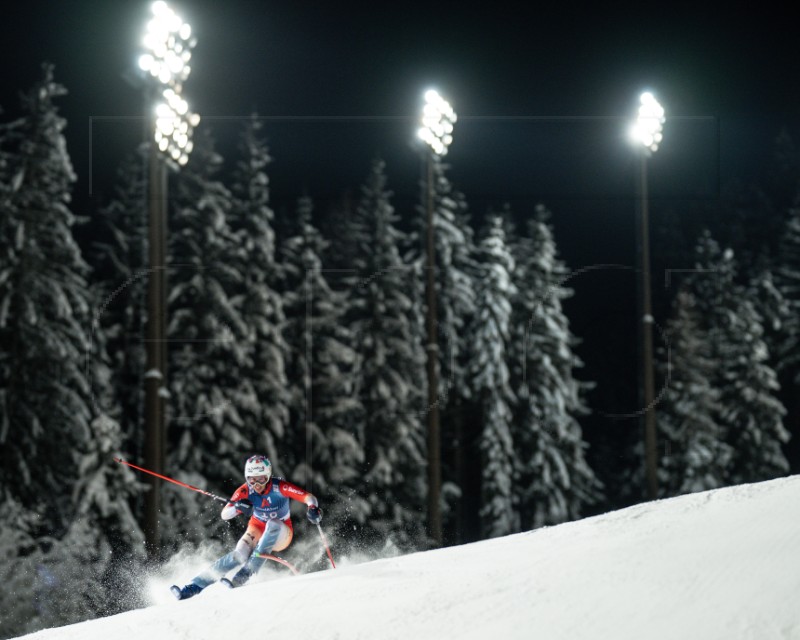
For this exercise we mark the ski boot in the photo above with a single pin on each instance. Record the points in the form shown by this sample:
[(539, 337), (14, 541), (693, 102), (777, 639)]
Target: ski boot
[(189, 591), (239, 578)]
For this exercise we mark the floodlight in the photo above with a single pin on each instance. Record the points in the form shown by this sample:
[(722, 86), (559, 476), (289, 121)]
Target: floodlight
[(168, 46), (437, 122), (168, 43), (649, 122), (174, 126)]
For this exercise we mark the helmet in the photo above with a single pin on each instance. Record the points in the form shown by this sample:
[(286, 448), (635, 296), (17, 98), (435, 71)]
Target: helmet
[(257, 466)]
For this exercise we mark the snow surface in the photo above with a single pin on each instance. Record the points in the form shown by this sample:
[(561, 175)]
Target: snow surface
[(719, 564)]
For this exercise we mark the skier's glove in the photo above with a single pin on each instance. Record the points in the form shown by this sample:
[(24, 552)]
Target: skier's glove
[(244, 507), (314, 515)]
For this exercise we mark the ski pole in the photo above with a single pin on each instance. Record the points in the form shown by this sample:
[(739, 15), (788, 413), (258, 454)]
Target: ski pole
[(325, 544), (172, 480)]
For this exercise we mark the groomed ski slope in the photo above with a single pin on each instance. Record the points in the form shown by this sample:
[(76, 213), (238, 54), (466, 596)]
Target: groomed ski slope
[(723, 564)]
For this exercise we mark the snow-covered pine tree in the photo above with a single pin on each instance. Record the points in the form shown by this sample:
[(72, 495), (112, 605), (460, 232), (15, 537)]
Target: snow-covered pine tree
[(490, 339), (460, 430), (109, 565), (334, 225), (695, 456), (18, 525), (207, 346), (382, 314), (751, 414), (118, 260), (326, 456), (774, 309), (555, 481), (118, 283), (787, 279), (251, 219), (45, 318), (54, 386)]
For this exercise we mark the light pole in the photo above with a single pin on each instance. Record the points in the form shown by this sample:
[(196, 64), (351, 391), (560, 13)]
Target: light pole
[(646, 132), (436, 131), (168, 44)]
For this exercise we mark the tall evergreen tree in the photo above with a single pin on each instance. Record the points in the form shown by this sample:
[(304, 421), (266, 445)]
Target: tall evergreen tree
[(775, 311), (119, 267), (110, 563), (251, 220), (327, 456), (751, 414), (382, 313), (55, 431), (787, 279), (556, 482), (695, 454), (491, 379), (335, 223), (208, 345), (46, 310)]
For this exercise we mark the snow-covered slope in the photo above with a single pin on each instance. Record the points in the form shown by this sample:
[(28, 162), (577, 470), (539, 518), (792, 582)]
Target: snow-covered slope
[(722, 564)]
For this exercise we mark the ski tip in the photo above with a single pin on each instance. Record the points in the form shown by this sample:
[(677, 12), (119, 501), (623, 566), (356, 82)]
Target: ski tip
[(176, 591), (227, 583)]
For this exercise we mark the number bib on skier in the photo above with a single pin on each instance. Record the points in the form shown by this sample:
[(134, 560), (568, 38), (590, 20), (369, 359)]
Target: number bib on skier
[(274, 502)]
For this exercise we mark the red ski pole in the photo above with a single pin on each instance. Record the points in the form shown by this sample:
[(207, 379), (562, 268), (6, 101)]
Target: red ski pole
[(325, 544), (172, 480)]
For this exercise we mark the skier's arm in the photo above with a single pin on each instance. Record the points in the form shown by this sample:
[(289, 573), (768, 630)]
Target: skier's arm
[(296, 493), (229, 510)]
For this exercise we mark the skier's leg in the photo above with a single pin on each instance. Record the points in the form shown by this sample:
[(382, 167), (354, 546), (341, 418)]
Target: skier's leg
[(224, 564), (284, 537), (277, 535), (230, 560)]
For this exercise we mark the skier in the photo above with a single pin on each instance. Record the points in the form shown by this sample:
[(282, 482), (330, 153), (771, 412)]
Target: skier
[(265, 500)]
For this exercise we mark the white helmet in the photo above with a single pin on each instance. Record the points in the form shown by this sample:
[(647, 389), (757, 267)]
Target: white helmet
[(257, 466)]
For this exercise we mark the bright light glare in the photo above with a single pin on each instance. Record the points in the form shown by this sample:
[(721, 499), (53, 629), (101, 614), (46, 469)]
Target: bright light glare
[(146, 61), (649, 123), (159, 8), (174, 127), (437, 121), (168, 43)]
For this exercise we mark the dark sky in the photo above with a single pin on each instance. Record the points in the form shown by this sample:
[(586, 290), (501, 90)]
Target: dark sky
[(543, 97), (543, 94)]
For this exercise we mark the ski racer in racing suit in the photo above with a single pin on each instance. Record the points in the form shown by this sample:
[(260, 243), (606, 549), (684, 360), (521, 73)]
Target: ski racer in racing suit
[(265, 499)]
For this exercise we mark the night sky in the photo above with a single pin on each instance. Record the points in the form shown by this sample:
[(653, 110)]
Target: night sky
[(543, 97)]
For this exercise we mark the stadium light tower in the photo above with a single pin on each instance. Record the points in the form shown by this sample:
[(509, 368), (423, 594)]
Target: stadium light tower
[(168, 45), (646, 133), (436, 131)]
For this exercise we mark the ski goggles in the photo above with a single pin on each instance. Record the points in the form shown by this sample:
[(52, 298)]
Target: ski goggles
[(258, 482)]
